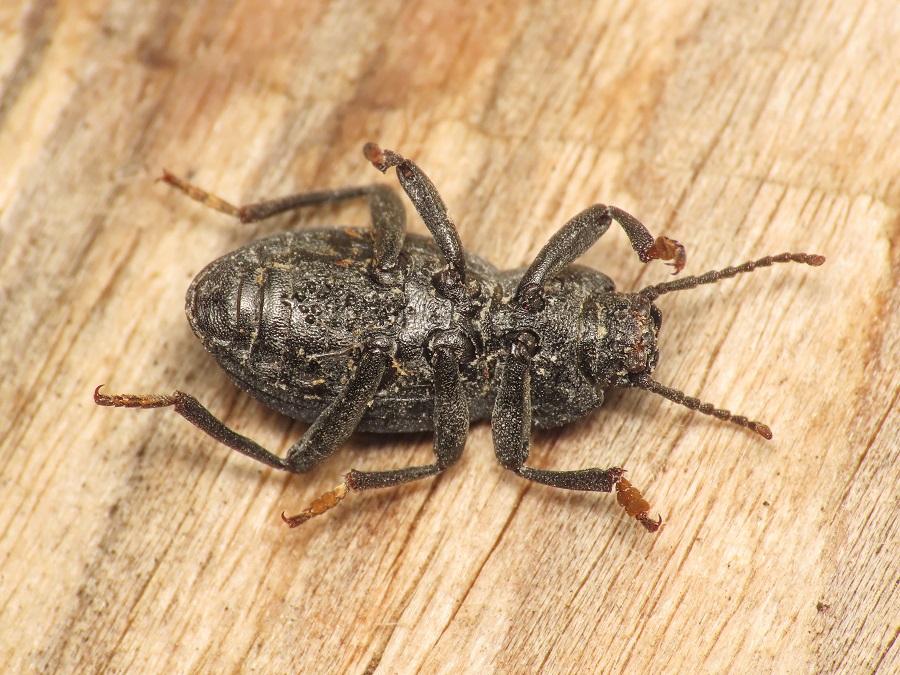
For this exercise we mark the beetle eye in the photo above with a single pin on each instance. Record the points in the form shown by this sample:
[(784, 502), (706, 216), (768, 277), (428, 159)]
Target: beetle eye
[(656, 315)]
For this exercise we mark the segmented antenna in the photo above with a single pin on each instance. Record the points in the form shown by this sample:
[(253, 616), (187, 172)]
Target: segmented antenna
[(653, 292), (679, 397)]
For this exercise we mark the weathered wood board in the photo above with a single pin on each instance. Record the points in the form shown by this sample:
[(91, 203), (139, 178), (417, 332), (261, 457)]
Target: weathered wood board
[(130, 542)]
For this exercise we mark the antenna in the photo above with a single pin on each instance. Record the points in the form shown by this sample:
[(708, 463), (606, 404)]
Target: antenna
[(653, 292), (679, 397)]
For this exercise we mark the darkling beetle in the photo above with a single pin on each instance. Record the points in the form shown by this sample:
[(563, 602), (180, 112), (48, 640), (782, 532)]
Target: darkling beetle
[(379, 331)]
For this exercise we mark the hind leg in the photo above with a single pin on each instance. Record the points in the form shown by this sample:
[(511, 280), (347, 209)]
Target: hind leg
[(322, 438), (388, 216)]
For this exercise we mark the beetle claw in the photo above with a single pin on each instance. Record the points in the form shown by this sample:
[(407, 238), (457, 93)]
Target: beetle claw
[(649, 523)]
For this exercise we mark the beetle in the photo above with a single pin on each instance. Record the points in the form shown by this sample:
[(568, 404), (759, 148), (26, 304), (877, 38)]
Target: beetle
[(376, 330)]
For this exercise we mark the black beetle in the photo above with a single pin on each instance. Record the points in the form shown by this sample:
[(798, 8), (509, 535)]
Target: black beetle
[(379, 331)]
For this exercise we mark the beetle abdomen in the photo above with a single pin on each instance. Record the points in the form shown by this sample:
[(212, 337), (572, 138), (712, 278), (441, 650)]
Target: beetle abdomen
[(287, 313), (287, 316)]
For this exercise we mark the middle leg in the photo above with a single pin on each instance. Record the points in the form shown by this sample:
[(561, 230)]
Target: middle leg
[(451, 426)]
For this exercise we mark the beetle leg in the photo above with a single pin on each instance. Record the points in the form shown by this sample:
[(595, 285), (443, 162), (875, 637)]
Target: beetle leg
[(577, 236), (511, 429), (193, 411), (451, 426), (511, 417), (322, 438), (341, 418), (388, 216), (434, 213)]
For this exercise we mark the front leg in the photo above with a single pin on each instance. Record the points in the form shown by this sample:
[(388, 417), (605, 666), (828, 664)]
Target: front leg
[(577, 236), (511, 430)]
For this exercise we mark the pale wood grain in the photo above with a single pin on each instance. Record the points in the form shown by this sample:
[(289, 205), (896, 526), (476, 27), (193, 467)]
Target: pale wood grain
[(131, 542)]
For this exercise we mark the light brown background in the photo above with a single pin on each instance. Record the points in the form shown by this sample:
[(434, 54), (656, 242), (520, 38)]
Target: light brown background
[(129, 541)]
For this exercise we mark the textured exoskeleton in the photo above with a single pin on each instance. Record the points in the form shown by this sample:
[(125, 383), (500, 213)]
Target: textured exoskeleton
[(381, 331)]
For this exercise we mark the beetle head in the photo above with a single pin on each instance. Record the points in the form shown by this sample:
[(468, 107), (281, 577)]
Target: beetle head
[(619, 338), (618, 345)]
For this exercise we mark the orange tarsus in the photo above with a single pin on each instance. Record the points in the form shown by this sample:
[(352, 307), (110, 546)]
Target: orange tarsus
[(373, 153), (630, 498), (135, 400), (668, 249), (385, 159), (202, 196), (319, 506)]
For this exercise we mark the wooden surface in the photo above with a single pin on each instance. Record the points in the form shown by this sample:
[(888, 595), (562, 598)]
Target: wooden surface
[(131, 542)]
